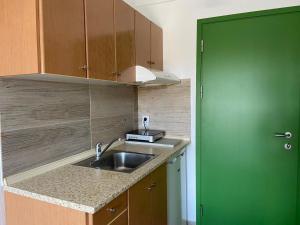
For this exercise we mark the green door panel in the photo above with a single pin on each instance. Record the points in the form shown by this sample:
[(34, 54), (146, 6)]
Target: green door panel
[(250, 72)]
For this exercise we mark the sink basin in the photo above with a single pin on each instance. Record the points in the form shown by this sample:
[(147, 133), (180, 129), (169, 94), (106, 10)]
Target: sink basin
[(117, 161)]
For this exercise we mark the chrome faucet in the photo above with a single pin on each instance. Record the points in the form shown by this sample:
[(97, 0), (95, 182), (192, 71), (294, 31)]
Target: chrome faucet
[(100, 151)]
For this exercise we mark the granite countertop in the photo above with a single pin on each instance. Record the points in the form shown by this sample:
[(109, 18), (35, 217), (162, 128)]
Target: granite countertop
[(88, 189)]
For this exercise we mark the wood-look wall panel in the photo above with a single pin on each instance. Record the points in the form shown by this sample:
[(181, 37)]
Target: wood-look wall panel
[(101, 39), (106, 129), (113, 112), (46, 121), (169, 108), (108, 101), (19, 37), (28, 148), (27, 104), (45, 213), (63, 37)]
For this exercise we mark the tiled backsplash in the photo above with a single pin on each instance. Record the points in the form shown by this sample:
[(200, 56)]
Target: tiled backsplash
[(46, 121), (169, 108), (113, 112)]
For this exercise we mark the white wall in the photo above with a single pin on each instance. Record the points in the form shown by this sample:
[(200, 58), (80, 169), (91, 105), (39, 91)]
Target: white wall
[(178, 18)]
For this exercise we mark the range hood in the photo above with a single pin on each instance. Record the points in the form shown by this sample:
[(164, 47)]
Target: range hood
[(142, 76)]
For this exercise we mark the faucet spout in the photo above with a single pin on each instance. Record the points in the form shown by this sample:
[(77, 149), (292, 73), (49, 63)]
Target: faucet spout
[(100, 151)]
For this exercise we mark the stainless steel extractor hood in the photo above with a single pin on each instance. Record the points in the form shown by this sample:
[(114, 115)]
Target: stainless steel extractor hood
[(142, 76)]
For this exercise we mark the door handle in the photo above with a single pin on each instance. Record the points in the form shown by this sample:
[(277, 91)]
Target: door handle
[(287, 135)]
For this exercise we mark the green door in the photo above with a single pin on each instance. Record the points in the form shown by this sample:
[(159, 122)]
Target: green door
[(250, 70)]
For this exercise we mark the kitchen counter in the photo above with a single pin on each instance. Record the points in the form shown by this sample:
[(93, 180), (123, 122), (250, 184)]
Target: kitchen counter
[(88, 189)]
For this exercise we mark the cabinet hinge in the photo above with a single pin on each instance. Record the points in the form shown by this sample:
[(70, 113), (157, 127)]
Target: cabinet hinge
[(201, 91), (201, 210), (202, 46)]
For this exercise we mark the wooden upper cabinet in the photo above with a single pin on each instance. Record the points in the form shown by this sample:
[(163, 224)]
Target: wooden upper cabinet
[(142, 40), (100, 39), (63, 37), (156, 47), (124, 27), (19, 53)]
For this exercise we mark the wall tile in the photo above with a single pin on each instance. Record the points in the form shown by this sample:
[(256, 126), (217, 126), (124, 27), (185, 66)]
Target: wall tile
[(42, 122), (168, 107), (106, 129), (26, 104), (28, 148), (112, 101), (113, 112), (46, 121)]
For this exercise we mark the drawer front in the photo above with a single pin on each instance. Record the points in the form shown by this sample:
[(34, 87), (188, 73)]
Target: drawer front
[(111, 210)]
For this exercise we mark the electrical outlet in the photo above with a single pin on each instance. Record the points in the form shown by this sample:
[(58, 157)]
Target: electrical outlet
[(146, 121)]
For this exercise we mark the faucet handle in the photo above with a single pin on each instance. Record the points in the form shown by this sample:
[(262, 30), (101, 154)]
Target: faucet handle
[(99, 147)]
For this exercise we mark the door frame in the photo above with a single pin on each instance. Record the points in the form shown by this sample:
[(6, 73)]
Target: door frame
[(199, 60)]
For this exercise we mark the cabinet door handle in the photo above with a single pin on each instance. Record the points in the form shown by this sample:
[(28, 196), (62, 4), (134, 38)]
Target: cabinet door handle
[(85, 67), (111, 210), (150, 62), (148, 188), (153, 185), (116, 73)]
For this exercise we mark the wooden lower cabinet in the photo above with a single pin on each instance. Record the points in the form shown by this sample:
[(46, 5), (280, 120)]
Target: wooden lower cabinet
[(110, 212), (159, 196), (26, 211), (143, 204), (121, 220), (148, 199)]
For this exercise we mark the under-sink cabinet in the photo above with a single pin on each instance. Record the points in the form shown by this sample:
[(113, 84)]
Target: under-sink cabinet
[(144, 203)]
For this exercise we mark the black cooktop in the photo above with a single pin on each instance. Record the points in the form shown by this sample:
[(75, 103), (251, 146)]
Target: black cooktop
[(146, 132)]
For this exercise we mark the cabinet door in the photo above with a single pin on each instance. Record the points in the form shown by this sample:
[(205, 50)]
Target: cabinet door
[(100, 39), (142, 40), (159, 196), (19, 53), (63, 37), (121, 220), (156, 47), (140, 203), (111, 211), (124, 26)]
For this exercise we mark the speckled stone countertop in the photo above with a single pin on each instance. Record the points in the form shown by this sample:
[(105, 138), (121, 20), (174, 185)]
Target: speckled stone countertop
[(88, 189)]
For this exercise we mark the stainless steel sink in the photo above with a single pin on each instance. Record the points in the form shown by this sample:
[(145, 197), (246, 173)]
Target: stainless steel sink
[(117, 161)]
